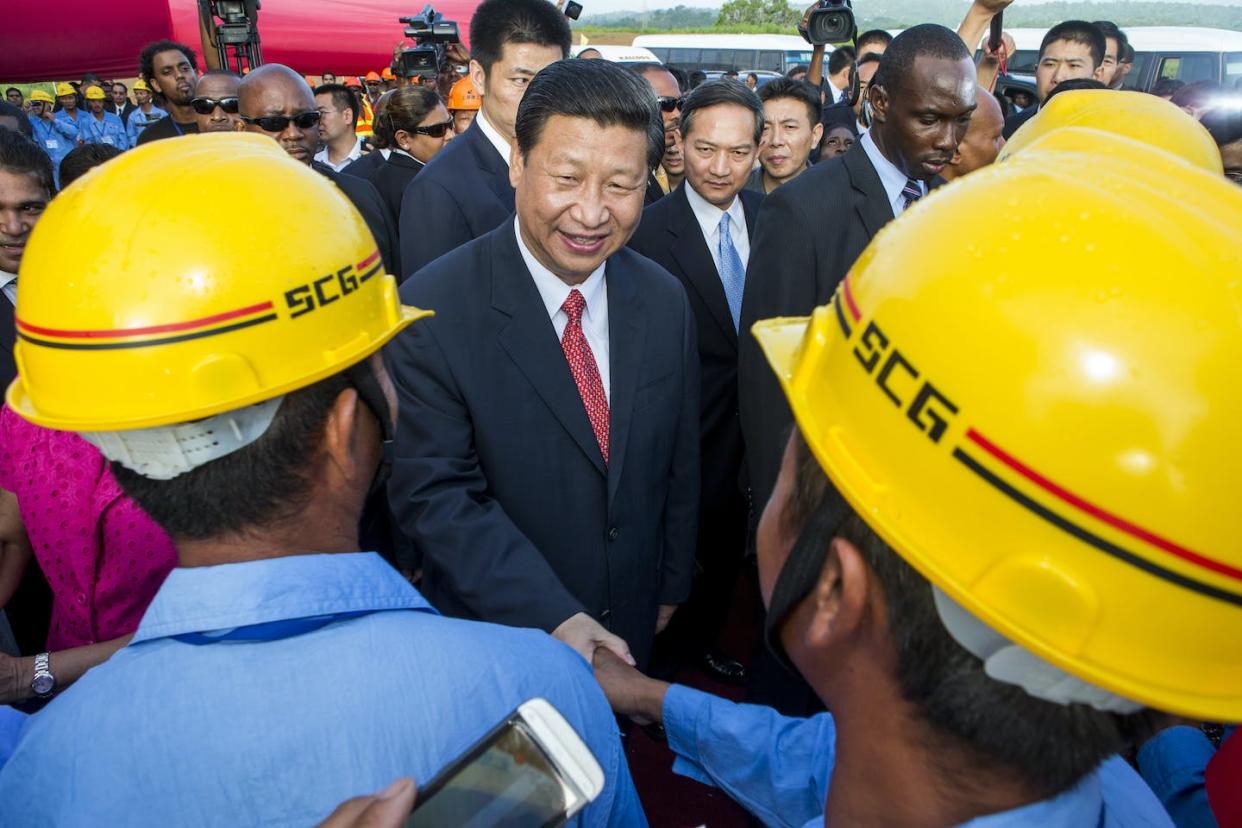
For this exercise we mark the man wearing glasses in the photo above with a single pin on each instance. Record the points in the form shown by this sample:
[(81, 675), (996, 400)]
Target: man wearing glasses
[(338, 118), (275, 101), (215, 102), (672, 169)]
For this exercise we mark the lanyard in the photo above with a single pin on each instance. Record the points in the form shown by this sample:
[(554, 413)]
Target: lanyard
[(269, 630)]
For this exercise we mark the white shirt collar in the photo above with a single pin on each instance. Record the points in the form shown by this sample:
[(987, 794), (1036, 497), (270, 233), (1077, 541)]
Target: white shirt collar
[(354, 155), (6, 278), (709, 214), (8, 286), (497, 140), (553, 290), (893, 179)]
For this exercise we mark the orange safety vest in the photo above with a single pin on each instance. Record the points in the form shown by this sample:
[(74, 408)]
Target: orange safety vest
[(365, 118)]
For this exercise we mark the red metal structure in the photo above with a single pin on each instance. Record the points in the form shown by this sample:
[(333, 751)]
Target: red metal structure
[(67, 38)]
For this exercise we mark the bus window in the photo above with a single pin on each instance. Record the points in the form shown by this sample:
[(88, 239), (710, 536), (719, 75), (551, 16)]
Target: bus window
[(1233, 71), (684, 57), (1190, 68), (771, 61), (715, 59), (661, 53)]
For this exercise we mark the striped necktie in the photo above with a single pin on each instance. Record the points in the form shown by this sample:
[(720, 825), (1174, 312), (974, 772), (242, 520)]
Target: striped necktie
[(912, 192)]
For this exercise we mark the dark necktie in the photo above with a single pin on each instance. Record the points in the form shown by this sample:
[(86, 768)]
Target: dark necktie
[(912, 192), (585, 370)]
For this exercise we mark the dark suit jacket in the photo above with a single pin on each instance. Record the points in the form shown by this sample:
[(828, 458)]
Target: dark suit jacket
[(670, 236), (364, 166), (392, 177), (374, 212), (463, 193), (498, 477), (809, 233), (1014, 122), (8, 337), (654, 192)]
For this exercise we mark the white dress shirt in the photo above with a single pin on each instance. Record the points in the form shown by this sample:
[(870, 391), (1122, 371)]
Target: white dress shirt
[(354, 155), (498, 140), (8, 286), (554, 292), (893, 179), (708, 216)]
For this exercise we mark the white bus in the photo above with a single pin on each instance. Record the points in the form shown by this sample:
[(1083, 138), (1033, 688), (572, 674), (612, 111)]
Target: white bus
[(617, 54), (722, 52)]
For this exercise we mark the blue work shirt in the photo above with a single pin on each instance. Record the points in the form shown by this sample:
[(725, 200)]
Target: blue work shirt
[(108, 131), (280, 732), (779, 769), (1173, 762), (56, 137), (73, 125), (139, 120)]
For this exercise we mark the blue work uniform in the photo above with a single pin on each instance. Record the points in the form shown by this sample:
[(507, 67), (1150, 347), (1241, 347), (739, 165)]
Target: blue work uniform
[(270, 691), (56, 137), (139, 120), (108, 131), (779, 769)]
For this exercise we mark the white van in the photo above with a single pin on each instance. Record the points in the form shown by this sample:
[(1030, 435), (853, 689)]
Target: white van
[(724, 52)]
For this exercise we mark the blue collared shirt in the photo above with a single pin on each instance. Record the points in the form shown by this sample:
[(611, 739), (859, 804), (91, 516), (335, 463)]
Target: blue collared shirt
[(280, 732), (108, 131), (779, 769), (893, 179), (139, 120), (1174, 762)]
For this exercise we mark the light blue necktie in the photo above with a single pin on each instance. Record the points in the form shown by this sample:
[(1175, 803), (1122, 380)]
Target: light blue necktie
[(732, 272)]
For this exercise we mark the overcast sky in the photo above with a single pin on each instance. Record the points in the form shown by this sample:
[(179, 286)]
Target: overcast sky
[(652, 5)]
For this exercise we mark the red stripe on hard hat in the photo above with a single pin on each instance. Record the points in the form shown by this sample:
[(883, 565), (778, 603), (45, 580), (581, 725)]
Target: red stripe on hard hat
[(153, 329), (1100, 513), (362, 264), (849, 299)]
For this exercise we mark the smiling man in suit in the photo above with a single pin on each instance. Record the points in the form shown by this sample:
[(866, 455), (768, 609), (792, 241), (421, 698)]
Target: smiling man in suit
[(812, 229), (547, 460), (701, 234), (465, 191)]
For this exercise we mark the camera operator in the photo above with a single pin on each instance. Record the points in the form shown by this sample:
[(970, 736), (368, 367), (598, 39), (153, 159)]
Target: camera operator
[(468, 183)]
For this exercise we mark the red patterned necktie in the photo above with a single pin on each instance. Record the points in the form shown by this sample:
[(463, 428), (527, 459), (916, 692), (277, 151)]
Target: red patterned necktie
[(586, 373)]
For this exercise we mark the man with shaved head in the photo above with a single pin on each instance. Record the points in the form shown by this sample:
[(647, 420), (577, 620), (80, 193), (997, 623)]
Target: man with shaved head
[(983, 140), (275, 101)]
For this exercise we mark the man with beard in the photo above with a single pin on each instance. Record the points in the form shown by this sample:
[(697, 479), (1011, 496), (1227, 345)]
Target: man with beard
[(100, 126), (171, 69)]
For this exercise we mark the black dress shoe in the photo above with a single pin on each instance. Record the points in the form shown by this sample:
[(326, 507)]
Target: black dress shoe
[(723, 669)]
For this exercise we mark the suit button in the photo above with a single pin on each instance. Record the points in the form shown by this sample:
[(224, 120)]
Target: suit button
[(613, 533)]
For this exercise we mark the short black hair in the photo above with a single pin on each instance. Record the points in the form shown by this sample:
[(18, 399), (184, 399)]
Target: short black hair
[(873, 36), (1127, 53), (14, 89), (256, 486), (342, 97), (1077, 31), (717, 92), (841, 57), (1166, 87), (1110, 29), (20, 155), (750, 75), (497, 22), (798, 90), (1050, 746), (23, 123), (697, 78), (120, 84), (596, 89), (146, 59), (81, 160), (1073, 85), (1196, 95), (924, 40), (1224, 123), (870, 57)]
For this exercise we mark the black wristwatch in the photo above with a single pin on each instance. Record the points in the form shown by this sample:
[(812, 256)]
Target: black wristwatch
[(43, 682)]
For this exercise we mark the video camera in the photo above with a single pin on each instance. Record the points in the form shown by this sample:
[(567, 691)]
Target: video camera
[(832, 22), (431, 34)]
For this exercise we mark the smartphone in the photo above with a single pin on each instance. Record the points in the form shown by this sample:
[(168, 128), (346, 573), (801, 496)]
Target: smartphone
[(530, 771)]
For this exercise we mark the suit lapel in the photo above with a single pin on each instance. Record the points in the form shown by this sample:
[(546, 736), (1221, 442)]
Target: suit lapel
[(627, 342), (490, 160), (690, 250), (873, 208), (530, 340)]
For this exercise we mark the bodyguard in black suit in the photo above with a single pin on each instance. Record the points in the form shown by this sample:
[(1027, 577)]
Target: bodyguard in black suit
[(721, 125), (547, 446), (368, 201), (465, 190), (812, 229)]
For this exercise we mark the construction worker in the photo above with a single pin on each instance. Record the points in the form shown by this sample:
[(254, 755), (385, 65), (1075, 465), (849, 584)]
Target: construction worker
[(1005, 524), (375, 86), (235, 383), (54, 136), (463, 104), (389, 79), (145, 114), (366, 115), (69, 115), (99, 126)]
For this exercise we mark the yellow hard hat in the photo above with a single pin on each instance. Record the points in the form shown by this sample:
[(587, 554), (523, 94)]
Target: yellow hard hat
[(41, 95), (1041, 415), (65, 89), (1135, 115), (141, 86), (94, 93), (270, 283), (462, 96)]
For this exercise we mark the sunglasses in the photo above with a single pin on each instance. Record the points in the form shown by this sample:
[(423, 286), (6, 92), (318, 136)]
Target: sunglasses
[(435, 130), (279, 123), (205, 106), (668, 104)]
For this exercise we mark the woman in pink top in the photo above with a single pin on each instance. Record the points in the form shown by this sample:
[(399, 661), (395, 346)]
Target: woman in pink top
[(103, 557)]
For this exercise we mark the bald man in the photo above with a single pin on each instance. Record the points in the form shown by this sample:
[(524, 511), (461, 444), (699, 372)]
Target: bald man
[(982, 142), (275, 101)]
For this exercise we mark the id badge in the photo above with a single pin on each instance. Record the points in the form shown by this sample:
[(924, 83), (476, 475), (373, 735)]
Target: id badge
[(52, 143)]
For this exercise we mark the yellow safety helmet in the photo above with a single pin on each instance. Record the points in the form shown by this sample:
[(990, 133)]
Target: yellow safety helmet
[(268, 282), (1041, 414), (141, 86), (1135, 115), (41, 95), (94, 93), (65, 89)]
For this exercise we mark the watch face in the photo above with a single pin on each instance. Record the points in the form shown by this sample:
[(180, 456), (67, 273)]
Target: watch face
[(42, 685)]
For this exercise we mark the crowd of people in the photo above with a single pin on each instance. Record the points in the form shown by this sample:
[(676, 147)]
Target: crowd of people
[(446, 392)]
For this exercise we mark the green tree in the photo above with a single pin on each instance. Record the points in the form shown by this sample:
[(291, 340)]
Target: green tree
[(757, 13)]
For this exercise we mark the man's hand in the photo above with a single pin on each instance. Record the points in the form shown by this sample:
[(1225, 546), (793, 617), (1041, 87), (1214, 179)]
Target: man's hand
[(993, 7), (665, 615), (584, 634), (629, 692), (386, 809)]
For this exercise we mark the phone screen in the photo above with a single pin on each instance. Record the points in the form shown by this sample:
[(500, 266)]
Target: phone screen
[(505, 780)]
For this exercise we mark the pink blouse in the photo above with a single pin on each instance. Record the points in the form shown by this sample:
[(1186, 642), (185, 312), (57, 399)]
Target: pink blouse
[(103, 557)]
